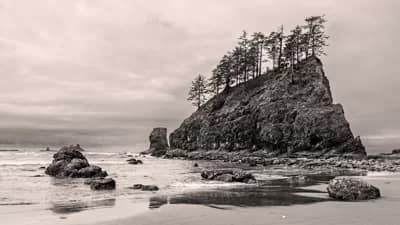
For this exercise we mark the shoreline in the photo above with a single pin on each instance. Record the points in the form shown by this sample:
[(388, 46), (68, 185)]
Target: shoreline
[(260, 158)]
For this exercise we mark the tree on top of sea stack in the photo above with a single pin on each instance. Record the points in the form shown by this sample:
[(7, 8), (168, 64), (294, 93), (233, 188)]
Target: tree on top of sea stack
[(198, 91), (316, 37)]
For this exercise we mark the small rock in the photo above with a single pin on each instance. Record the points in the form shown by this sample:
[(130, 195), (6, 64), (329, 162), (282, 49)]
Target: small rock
[(102, 184), (145, 187)]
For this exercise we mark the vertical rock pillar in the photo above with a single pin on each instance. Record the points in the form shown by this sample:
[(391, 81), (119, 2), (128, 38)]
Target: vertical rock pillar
[(158, 141)]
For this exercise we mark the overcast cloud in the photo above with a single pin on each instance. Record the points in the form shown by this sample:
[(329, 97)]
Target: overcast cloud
[(106, 72)]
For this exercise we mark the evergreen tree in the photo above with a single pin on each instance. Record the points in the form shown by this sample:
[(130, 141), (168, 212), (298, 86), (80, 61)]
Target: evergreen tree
[(290, 52), (316, 37), (258, 41), (198, 91), (297, 35), (280, 37), (244, 51), (216, 81), (225, 66), (272, 48)]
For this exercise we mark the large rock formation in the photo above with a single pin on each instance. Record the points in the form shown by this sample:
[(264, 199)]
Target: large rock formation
[(273, 115), (70, 162)]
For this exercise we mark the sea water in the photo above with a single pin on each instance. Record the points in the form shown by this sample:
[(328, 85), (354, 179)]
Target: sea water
[(29, 196)]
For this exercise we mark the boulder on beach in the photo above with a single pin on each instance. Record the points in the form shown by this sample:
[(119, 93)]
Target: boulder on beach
[(352, 189), (134, 161), (102, 184), (228, 175), (145, 187), (70, 162), (158, 142)]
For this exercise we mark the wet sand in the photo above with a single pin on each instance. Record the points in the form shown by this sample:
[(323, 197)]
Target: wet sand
[(324, 212)]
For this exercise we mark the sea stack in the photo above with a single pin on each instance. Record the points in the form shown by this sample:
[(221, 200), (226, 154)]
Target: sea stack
[(158, 141), (280, 113)]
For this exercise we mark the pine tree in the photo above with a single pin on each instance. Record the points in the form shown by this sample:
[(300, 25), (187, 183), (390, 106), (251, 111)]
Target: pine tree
[(280, 37), (198, 91), (216, 81), (297, 35), (225, 66), (258, 41), (290, 52), (316, 37), (271, 45), (244, 51)]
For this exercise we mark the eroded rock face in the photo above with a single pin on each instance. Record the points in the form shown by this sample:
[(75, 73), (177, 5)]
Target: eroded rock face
[(70, 162), (158, 141), (270, 113), (351, 189)]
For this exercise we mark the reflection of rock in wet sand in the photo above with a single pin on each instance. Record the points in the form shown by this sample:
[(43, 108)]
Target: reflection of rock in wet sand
[(280, 192), (78, 206)]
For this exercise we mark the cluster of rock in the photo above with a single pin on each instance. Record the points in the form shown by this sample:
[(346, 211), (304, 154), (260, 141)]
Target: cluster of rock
[(265, 159), (352, 189), (70, 162), (228, 175)]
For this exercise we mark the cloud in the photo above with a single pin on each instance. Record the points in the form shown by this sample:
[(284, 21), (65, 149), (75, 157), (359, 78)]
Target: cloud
[(82, 69)]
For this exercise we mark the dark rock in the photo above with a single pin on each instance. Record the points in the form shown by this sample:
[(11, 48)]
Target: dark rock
[(134, 161), (351, 189), (396, 151), (42, 167), (92, 171), (270, 113), (158, 142), (137, 186), (145, 187), (150, 188), (195, 165), (228, 175), (102, 184), (38, 175), (70, 162)]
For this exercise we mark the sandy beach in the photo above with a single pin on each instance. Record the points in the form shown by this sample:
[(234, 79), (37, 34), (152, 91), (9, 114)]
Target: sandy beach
[(328, 213)]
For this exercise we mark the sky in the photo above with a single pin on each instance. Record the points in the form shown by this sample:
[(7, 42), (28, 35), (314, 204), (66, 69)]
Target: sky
[(106, 72)]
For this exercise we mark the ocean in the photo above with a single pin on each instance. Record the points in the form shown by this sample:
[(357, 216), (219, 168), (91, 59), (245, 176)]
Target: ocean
[(29, 197)]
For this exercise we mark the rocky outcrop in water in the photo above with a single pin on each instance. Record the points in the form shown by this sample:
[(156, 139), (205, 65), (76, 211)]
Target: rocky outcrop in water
[(274, 115), (351, 189), (158, 142), (70, 162)]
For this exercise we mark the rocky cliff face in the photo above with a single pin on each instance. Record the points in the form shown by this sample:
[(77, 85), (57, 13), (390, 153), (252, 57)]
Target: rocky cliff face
[(273, 115)]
